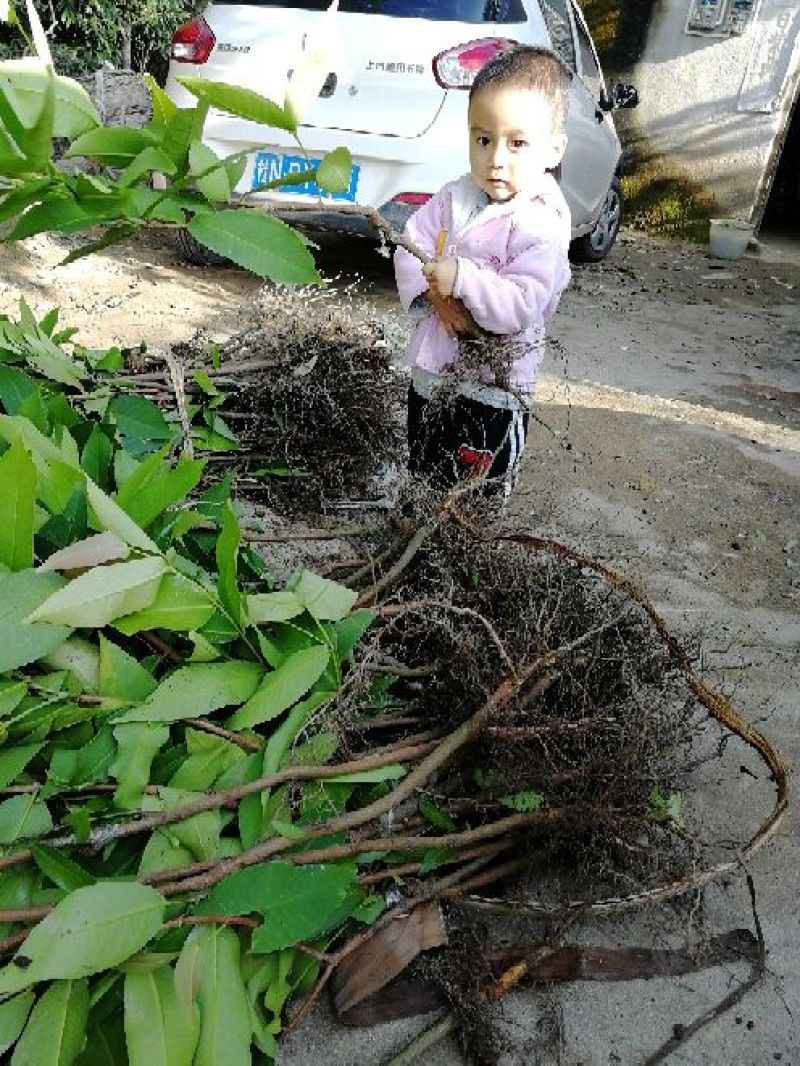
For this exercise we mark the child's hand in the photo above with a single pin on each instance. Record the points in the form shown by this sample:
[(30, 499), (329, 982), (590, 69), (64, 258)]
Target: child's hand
[(442, 275), (453, 314)]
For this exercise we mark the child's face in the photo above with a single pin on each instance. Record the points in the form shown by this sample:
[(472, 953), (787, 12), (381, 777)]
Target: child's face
[(511, 140)]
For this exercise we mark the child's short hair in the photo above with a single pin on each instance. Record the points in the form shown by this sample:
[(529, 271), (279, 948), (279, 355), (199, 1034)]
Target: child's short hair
[(531, 68)]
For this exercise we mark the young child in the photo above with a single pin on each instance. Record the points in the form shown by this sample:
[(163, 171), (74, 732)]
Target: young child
[(498, 238)]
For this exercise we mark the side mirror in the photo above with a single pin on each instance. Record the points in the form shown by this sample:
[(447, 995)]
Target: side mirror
[(621, 96)]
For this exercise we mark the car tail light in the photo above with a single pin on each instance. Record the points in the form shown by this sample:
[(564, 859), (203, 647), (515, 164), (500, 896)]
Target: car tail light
[(456, 68), (193, 42), (416, 199)]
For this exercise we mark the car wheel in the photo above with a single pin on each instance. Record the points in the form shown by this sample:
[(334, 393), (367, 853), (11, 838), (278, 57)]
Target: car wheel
[(196, 253), (594, 246)]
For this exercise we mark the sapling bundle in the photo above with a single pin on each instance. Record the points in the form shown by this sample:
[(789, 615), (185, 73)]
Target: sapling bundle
[(213, 782)]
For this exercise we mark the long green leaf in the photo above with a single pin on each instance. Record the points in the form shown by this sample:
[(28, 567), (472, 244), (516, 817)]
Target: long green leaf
[(210, 970), (114, 146), (197, 690), (283, 687), (62, 871), (158, 1029), (111, 517), (13, 1016), (56, 1028), (238, 101), (104, 593), (93, 929), (258, 242), (17, 501), (227, 553)]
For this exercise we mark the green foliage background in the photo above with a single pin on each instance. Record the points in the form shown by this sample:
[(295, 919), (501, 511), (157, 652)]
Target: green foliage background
[(84, 36)]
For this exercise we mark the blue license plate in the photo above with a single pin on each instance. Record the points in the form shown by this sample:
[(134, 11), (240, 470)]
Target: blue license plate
[(270, 166)]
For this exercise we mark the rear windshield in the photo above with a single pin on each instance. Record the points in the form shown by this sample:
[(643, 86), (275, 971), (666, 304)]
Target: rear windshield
[(437, 10)]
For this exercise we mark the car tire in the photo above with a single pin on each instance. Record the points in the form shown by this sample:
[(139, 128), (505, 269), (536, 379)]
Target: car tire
[(596, 245), (192, 251)]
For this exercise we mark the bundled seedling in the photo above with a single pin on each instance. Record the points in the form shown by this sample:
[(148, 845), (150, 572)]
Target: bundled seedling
[(212, 780)]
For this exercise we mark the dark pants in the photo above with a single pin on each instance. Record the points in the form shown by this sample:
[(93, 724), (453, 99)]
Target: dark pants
[(454, 439)]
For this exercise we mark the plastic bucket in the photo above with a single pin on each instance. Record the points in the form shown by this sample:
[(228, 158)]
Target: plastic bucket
[(728, 237)]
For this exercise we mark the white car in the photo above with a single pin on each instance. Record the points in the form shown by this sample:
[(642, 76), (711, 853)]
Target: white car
[(397, 98)]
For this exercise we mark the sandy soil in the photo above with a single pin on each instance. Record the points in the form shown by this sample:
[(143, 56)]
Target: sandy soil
[(669, 446)]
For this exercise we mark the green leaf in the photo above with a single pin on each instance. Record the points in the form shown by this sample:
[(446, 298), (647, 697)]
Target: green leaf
[(93, 929), (436, 816), (333, 173), (121, 675), (238, 101), (210, 176), (92, 551), (159, 1031), (209, 969), (111, 517), (324, 599), (103, 594), (198, 834), (114, 146), (209, 756), (350, 630), (74, 111), (137, 745), (197, 690), (23, 816), (19, 594), (14, 760), (17, 499), (15, 387), (162, 853), (257, 242), (162, 107), (434, 858), (61, 870), (273, 607), (180, 605), (56, 1029), (228, 562), (140, 418), (13, 1016), (96, 457), (148, 161), (297, 902), (527, 802), (283, 687)]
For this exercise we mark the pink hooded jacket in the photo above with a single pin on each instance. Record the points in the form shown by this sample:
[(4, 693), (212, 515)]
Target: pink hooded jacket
[(512, 268)]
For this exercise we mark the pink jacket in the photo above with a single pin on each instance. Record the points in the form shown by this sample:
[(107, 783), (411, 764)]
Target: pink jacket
[(512, 269)]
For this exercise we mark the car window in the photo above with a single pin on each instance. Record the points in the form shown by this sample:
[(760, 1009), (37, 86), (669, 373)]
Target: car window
[(437, 10), (556, 17), (590, 72)]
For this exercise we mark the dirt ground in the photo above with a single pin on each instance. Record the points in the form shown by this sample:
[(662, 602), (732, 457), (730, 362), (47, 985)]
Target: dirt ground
[(668, 445)]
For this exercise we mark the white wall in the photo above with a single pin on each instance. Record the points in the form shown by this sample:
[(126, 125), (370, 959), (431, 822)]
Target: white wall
[(717, 106)]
